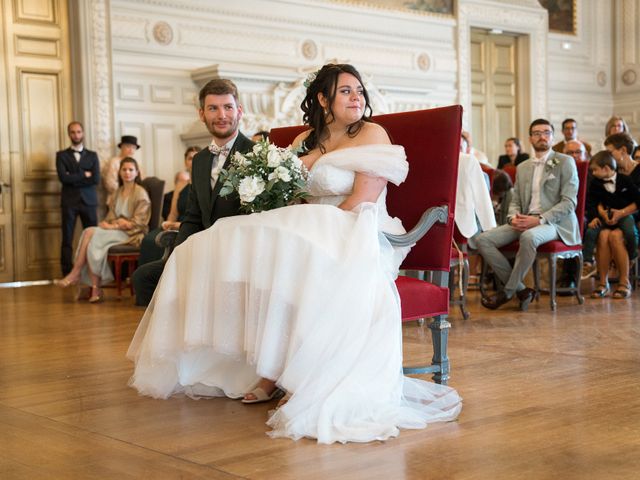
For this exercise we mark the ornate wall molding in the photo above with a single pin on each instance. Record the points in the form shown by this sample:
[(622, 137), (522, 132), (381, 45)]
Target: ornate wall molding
[(526, 18), (94, 102)]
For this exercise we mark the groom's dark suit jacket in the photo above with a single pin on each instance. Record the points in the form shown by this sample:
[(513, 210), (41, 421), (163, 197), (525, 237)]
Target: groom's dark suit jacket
[(205, 206), (76, 188)]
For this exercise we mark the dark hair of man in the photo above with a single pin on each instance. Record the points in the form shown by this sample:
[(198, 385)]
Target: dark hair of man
[(190, 149), (568, 120), (501, 182), (264, 134), (517, 143), (540, 121), (138, 180), (619, 140), (604, 159), (218, 86), (326, 82), (75, 122)]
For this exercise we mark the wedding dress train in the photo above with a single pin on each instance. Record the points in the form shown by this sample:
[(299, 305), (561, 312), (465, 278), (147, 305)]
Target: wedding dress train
[(304, 295)]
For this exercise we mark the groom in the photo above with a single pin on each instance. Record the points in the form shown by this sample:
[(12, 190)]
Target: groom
[(221, 113)]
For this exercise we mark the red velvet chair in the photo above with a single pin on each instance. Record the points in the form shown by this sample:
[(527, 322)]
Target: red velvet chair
[(426, 202), (511, 170), (556, 249)]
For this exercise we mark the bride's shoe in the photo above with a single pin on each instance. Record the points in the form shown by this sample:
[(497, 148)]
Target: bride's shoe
[(65, 282), (262, 396), (97, 295)]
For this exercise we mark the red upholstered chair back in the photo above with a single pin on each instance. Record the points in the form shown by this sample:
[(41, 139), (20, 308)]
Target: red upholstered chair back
[(511, 170), (431, 140), (489, 171)]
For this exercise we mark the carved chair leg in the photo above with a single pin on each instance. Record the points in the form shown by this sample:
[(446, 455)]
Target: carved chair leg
[(577, 279), (440, 336), (465, 287), (553, 265)]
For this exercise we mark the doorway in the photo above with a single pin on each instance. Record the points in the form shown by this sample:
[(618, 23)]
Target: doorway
[(494, 91)]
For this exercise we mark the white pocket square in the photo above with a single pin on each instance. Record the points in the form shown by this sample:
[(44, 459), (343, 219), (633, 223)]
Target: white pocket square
[(551, 176)]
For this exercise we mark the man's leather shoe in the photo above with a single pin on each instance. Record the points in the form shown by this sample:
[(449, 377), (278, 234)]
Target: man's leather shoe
[(495, 301), (526, 296)]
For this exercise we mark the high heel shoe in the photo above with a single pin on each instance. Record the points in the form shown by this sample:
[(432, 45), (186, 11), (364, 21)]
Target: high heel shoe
[(65, 282), (97, 295)]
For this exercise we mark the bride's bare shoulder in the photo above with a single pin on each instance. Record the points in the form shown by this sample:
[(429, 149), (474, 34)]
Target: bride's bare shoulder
[(373, 133)]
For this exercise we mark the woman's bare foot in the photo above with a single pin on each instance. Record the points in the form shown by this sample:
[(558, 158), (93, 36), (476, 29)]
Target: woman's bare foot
[(267, 386)]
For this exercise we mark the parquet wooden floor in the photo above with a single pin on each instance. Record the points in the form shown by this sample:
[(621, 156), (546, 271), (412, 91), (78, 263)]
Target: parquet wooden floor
[(546, 396)]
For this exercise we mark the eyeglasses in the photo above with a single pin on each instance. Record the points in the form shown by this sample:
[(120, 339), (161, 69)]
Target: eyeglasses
[(544, 133)]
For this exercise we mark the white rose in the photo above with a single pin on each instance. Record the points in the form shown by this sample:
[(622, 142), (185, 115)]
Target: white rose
[(297, 163), (250, 188), (273, 158), (239, 159), (280, 173), (257, 148)]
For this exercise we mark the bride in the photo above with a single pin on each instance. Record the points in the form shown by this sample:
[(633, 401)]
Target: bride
[(300, 298)]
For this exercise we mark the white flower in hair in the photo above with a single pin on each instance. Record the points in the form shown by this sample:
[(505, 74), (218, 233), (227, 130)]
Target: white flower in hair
[(310, 79)]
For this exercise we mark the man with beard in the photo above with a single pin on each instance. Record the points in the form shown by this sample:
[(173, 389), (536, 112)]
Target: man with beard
[(221, 113), (542, 209), (79, 172)]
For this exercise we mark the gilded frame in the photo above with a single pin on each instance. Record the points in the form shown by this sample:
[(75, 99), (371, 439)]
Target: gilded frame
[(444, 8), (562, 16)]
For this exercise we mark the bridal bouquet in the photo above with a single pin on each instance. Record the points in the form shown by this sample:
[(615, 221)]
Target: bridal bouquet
[(268, 177)]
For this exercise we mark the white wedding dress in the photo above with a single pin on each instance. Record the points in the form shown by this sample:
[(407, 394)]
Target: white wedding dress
[(304, 295)]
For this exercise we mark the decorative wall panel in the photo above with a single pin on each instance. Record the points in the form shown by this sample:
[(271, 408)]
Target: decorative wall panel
[(41, 121)]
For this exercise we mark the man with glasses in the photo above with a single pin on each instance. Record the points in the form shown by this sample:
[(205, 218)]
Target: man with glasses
[(570, 132), (542, 209)]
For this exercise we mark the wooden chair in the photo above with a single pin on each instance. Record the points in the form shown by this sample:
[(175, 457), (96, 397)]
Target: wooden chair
[(120, 255), (426, 202), (556, 249)]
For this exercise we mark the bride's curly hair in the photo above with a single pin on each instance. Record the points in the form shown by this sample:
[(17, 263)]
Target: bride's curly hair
[(326, 82)]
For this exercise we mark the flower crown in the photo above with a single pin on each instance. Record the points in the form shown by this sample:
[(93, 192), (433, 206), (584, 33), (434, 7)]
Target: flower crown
[(310, 79)]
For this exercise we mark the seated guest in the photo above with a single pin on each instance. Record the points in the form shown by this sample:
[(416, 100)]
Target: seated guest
[(570, 132), (501, 194), (149, 251), (577, 150), (615, 124), (261, 135), (542, 209), (110, 171), (474, 152), (513, 153), (612, 200), (620, 145), (125, 224), (182, 177)]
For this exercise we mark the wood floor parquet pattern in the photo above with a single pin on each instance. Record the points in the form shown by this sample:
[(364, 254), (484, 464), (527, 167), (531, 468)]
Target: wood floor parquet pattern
[(547, 395)]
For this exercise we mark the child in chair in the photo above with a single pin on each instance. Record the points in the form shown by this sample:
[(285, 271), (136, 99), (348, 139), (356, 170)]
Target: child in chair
[(611, 201)]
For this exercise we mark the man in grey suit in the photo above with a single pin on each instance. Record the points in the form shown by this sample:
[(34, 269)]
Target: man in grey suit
[(542, 209)]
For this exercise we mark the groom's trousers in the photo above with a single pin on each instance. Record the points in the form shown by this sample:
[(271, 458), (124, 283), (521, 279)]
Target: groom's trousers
[(145, 279), (489, 243)]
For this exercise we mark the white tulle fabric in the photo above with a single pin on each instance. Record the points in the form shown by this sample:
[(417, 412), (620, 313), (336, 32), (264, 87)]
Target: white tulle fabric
[(302, 294)]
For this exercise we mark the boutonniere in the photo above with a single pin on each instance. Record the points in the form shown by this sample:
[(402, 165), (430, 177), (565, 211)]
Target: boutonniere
[(552, 162)]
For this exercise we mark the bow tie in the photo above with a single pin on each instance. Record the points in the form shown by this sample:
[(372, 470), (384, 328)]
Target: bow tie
[(608, 181), (216, 150), (77, 150), (538, 161)]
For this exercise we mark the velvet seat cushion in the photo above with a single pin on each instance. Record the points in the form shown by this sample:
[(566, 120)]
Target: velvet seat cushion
[(419, 297)]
